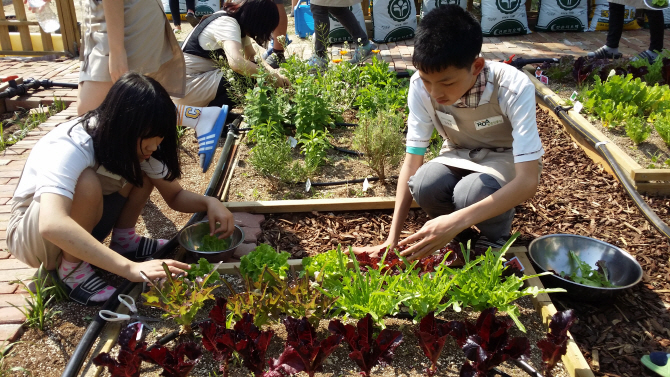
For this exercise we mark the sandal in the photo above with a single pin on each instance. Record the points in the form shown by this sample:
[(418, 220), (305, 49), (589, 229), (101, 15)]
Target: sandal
[(207, 142), (658, 363), (602, 53), (145, 250), (646, 55), (83, 292)]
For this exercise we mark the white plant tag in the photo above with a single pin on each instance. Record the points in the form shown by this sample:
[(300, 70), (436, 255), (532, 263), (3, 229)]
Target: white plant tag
[(574, 95), (308, 185), (292, 141), (578, 106), (366, 185)]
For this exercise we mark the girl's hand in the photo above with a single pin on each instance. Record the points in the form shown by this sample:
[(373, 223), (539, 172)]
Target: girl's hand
[(374, 250), (281, 81), (218, 213), (154, 269), (118, 64), (432, 236)]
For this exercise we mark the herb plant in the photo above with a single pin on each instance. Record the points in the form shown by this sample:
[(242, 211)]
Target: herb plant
[(273, 159), (252, 264), (483, 285), (555, 344), (38, 310), (365, 350), (380, 139), (213, 243), (487, 343), (637, 129), (662, 125), (179, 297), (314, 147)]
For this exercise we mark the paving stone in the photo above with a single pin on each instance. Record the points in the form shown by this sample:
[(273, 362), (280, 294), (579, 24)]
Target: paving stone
[(244, 249), (11, 264), (16, 299), (11, 275), (250, 220), (7, 289), (10, 333), (251, 234)]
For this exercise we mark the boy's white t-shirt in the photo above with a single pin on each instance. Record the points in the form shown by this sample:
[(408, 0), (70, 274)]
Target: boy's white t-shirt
[(516, 97), (59, 158)]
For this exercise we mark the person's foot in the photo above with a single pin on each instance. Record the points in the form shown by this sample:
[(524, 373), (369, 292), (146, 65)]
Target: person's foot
[(362, 53), (192, 19), (133, 246), (647, 55), (275, 59), (91, 289), (317, 63), (605, 53)]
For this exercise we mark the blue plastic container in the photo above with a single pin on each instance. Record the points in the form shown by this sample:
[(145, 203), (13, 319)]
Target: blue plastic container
[(304, 21)]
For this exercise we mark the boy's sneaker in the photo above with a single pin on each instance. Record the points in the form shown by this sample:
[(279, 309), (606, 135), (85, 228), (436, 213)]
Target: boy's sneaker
[(192, 19), (647, 55), (362, 53), (275, 59), (317, 63)]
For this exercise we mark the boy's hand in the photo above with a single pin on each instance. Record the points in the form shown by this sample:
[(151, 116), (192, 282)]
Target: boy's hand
[(154, 269), (431, 237), (218, 213), (373, 250)]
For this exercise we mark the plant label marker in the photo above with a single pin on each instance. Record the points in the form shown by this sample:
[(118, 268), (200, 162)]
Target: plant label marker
[(574, 95), (292, 141), (366, 185), (515, 262), (538, 73), (308, 185), (544, 79), (578, 106)]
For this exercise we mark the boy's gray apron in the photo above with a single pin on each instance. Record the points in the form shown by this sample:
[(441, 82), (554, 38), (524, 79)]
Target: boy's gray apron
[(477, 139)]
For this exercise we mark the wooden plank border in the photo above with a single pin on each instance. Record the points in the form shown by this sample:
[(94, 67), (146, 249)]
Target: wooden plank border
[(641, 177), (309, 205), (573, 361)]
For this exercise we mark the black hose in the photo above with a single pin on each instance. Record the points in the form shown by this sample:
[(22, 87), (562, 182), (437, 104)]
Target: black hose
[(343, 124), (349, 151), (30, 83), (402, 74), (524, 366), (95, 327), (601, 146)]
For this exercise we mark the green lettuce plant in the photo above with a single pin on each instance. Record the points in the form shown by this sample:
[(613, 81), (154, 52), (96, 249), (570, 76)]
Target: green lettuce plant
[(264, 256)]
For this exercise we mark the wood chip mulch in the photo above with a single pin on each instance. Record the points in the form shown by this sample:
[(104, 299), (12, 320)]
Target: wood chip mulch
[(575, 196)]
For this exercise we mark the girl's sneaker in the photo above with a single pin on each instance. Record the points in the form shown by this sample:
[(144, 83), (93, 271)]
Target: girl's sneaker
[(362, 53), (317, 63)]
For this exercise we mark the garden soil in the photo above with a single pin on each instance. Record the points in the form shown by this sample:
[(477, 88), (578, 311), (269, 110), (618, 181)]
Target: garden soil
[(575, 196)]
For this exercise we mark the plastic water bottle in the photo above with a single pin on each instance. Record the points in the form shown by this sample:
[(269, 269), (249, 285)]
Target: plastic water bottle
[(47, 18)]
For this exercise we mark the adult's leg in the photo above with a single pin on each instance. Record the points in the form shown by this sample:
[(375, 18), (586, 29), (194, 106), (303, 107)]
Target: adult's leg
[(321, 29), (656, 29), (190, 13), (616, 21), (91, 94), (350, 23), (471, 189), (176, 16), (432, 186)]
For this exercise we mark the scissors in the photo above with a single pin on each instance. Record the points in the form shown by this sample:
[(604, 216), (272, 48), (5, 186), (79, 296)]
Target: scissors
[(128, 302)]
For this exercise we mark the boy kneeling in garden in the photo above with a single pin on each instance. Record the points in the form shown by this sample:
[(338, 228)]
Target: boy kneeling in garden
[(491, 159)]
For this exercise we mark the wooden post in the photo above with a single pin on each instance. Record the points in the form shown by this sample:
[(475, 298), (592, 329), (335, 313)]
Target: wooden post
[(68, 26), (5, 42), (24, 32)]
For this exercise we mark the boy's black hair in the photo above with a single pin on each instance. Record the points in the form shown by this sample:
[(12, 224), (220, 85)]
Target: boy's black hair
[(448, 36), (257, 18), (136, 107)]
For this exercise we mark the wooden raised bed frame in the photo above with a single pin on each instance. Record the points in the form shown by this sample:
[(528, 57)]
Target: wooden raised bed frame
[(648, 181)]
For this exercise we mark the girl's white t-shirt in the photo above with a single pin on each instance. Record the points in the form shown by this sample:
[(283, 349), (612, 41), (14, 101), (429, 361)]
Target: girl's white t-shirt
[(58, 159)]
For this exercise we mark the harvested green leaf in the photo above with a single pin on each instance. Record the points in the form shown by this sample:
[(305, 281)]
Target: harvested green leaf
[(660, 3), (201, 269), (251, 265), (584, 274), (213, 243)]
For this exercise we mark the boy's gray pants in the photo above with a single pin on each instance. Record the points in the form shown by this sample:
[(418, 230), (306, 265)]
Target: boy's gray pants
[(440, 190), (322, 26)]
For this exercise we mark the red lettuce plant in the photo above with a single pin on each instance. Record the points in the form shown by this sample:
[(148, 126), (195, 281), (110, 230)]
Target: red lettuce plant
[(487, 344), (555, 344), (395, 264), (432, 334), (244, 338), (367, 352), (665, 70), (177, 362), (128, 362), (302, 342)]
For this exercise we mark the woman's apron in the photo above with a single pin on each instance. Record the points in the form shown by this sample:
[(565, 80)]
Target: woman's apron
[(477, 139)]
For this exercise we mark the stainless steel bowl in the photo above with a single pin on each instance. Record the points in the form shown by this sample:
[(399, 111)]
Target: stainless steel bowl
[(551, 252), (190, 238)]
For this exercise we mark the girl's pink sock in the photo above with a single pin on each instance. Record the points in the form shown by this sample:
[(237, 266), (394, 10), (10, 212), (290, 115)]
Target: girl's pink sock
[(75, 273), (126, 240)]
